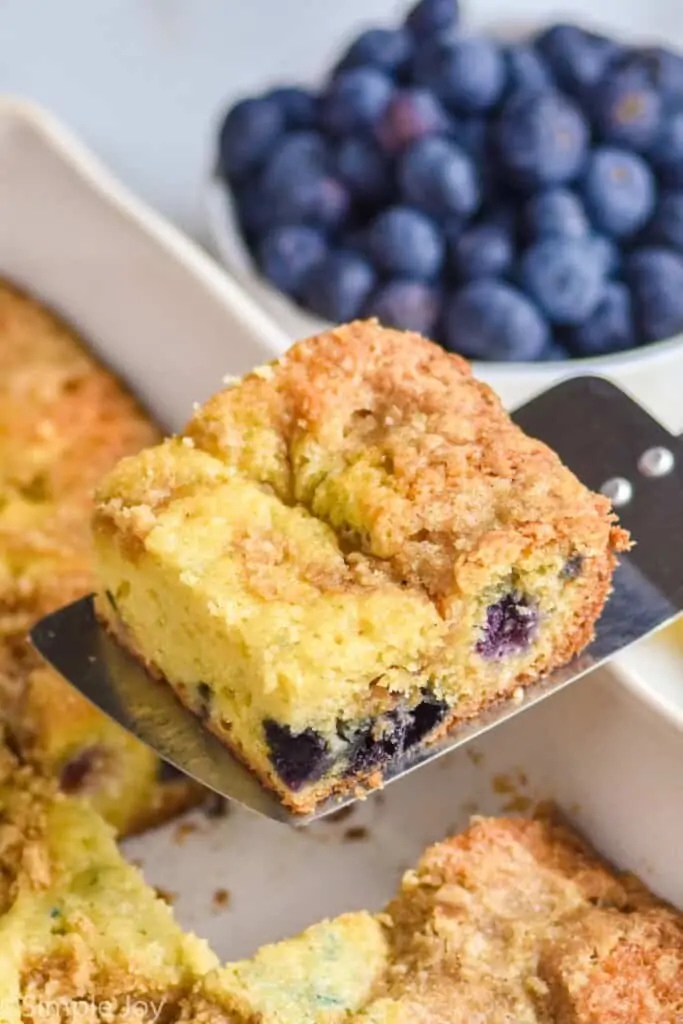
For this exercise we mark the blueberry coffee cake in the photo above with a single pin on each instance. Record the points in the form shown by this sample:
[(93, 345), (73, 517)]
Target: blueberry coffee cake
[(347, 553), (64, 421), (512, 921)]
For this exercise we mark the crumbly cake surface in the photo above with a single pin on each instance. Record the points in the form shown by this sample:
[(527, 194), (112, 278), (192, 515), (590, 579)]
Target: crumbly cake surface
[(512, 921), (64, 421), (80, 931), (350, 549)]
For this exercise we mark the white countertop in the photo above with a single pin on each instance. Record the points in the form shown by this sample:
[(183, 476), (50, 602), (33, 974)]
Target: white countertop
[(143, 81)]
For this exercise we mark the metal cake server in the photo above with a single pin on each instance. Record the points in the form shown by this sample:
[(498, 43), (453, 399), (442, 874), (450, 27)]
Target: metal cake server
[(610, 442)]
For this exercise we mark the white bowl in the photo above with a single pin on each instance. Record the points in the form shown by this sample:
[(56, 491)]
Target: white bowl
[(165, 317)]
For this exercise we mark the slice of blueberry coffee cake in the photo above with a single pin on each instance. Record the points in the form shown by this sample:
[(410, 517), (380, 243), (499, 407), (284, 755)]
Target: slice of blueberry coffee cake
[(347, 553)]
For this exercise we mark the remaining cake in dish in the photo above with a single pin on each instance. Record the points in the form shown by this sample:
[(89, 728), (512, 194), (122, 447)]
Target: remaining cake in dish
[(512, 921), (345, 554), (64, 421), (82, 937)]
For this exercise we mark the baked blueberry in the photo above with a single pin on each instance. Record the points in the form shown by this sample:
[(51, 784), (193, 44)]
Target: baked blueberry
[(288, 253), (403, 242), (573, 567), (565, 277), (78, 774), (298, 758), (424, 717), (542, 139), (355, 100), (491, 320), (338, 287), (410, 115), (468, 75), (577, 58), (299, 106), (483, 250), (618, 189), (248, 133), (511, 624), (363, 168), (430, 18), (555, 211), (656, 279), (666, 226), (527, 71), (408, 305), (387, 49), (627, 110), (609, 328), (439, 176)]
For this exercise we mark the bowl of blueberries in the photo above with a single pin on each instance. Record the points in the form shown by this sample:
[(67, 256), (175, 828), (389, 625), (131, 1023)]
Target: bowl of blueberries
[(518, 202)]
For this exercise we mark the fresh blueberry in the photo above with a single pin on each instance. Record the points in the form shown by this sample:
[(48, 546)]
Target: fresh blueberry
[(565, 276), (298, 758), (484, 250), (287, 254), (299, 106), (511, 625), (661, 68), (430, 18), (656, 279), (298, 155), (338, 287), (666, 226), (408, 305), (607, 253), (405, 243), (542, 139), (469, 75), (618, 190), (355, 99), (248, 133), (439, 176), (472, 133), (578, 59), (410, 115), (526, 70), (316, 199), (492, 320), (554, 352), (627, 111), (363, 168), (555, 211), (667, 153), (388, 50), (252, 208), (609, 328)]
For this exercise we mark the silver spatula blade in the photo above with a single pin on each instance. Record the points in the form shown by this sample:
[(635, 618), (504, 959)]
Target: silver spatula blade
[(600, 432)]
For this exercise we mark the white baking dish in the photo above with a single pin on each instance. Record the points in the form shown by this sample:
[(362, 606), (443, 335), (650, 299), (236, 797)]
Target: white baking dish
[(165, 317)]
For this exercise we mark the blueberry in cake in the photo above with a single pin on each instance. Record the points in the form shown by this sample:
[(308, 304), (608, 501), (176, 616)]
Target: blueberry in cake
[(64, 421), (347, 553)]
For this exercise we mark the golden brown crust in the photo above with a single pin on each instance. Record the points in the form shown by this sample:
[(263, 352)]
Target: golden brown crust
[(455, 480)]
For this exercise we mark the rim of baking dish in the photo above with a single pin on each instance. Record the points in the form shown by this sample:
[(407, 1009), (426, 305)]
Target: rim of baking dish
[(233, 294)]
